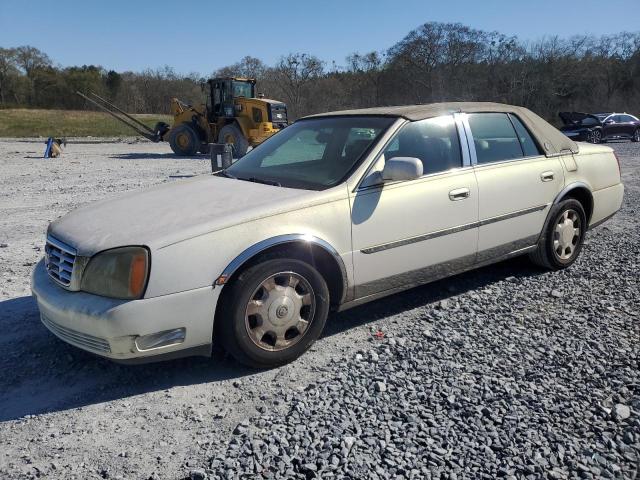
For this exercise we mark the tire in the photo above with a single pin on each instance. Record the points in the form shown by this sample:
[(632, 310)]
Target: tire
[(594, 136), (557, 248), (184, 140), (273, 312), (636, 135), (232, 134)]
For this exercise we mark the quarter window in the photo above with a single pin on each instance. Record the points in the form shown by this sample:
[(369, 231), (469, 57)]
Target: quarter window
[(528, 144), (494, 137), (433, 141)]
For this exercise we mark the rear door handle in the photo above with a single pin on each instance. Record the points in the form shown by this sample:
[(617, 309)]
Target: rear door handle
[(546, 176), (459, 194)]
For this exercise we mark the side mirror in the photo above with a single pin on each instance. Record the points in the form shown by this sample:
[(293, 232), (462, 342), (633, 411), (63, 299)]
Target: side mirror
[(609, 122), (401, 168)]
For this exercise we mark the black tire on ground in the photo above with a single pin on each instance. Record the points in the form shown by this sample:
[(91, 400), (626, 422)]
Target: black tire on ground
[(636, 136), (594, 136), (239, 331), (232, 134), (184, 140), (558, 246)]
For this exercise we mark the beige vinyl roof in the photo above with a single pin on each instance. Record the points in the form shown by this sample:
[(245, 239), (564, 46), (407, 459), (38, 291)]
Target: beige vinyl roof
[(550, 138)]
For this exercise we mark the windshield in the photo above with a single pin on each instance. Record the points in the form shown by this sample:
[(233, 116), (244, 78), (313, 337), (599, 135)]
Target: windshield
[(311, 154), (242, 89)]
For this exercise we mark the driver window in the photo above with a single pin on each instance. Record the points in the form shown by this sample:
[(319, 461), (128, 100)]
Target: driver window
[(433, 141)]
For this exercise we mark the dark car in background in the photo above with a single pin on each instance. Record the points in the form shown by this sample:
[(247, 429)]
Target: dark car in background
[(600, 127)]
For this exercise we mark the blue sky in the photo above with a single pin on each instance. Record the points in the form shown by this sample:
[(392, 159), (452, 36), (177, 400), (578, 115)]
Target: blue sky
[(200, 36)]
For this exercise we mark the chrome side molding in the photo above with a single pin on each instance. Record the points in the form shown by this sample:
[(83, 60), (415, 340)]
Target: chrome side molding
[(452, 230)]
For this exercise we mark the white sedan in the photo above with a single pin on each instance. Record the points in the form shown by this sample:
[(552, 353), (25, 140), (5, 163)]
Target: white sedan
[(336, 210)]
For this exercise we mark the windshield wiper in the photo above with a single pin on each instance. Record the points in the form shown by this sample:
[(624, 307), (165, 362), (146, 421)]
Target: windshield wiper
[(224, 173), (260, 180)]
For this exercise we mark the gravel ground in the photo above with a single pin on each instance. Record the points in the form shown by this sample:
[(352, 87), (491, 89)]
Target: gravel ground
[(506, 371)]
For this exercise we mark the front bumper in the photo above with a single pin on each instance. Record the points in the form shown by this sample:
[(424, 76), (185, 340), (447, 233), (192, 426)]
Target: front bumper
[(577, 135), (115, 328)]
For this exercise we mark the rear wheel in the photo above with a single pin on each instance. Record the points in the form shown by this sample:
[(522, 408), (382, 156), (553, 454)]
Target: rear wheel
[(594, 136), (184, 140), (562, 238), (273, 312), (233, 135), (636, 135)]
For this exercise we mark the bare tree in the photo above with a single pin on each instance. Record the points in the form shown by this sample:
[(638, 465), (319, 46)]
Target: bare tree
[(293, 74)]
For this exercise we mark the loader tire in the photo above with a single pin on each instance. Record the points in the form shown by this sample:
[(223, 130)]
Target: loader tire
[(233, 135), (184, 140)]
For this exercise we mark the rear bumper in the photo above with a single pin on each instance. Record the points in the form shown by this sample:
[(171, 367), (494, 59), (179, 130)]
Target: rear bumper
[(117, 329)]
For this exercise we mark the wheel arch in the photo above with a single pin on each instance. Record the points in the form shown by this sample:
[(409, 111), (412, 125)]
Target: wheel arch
[(316, 251), (581, 192)]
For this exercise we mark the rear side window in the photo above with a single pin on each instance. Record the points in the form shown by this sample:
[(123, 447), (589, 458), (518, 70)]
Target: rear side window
[(528, 144), (494, 137), (626, 118), (434, 141)]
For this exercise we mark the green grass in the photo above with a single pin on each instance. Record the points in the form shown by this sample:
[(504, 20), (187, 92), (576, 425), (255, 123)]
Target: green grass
[(22, 122)]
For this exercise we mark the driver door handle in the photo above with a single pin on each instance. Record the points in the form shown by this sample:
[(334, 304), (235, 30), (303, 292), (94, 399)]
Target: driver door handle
[(459, 194)]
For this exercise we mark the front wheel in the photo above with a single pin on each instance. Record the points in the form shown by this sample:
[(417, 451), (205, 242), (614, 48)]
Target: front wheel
[(273, 312), (184, 140), (561, 240), (594, 136), (636, 135)]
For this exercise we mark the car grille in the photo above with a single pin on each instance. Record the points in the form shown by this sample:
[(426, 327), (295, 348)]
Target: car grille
[(59, 260), (82, 340)]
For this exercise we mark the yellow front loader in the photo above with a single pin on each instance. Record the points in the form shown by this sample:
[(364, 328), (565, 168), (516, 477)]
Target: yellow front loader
[(232, 114)]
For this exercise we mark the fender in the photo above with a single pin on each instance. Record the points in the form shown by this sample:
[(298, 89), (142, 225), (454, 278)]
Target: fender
[(263, 245)]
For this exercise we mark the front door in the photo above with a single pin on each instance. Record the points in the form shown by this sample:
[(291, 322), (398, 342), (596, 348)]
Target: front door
[(517, 183), (410, 232), (611, 127)]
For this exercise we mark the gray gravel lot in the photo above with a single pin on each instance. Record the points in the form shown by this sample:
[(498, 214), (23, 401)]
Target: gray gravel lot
[(507, 371)]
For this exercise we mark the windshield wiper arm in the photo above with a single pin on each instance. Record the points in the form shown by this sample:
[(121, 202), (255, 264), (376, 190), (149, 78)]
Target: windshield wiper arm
[(224, 173), (260, 180)]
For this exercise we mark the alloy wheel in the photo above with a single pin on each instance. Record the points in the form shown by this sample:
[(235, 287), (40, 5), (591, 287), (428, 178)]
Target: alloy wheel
[(566, 234), (595, 136), (280, 311)]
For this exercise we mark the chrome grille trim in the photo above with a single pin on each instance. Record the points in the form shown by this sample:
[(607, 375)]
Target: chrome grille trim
[(60, 259), (82, 340)]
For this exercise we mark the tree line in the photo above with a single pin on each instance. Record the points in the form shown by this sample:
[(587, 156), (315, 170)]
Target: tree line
[(433, 63)]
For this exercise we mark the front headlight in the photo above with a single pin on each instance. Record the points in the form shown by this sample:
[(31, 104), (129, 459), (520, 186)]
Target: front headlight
[(118, 273)]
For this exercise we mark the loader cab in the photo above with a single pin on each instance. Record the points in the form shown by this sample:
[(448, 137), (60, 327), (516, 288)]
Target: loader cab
[(223, 92)]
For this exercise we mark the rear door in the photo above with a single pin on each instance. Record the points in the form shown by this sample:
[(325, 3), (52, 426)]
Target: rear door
[(516, 183), (627, 125)]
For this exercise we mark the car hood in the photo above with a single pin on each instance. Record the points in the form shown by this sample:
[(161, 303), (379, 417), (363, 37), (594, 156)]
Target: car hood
[(172, 212), (575, 119)]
